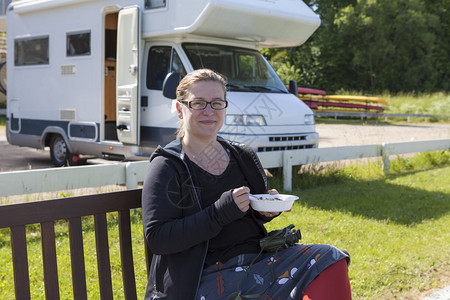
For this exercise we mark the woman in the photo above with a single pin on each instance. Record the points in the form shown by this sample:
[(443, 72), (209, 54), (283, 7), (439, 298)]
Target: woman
[(197, 218)]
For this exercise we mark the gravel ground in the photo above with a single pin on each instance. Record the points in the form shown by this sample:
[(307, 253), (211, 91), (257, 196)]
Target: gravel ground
[(347, 135)]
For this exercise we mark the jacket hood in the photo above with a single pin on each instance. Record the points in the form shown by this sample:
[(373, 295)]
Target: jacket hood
[(174, 148)]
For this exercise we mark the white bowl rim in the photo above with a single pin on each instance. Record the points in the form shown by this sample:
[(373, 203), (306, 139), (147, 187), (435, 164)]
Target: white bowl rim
[(282, 197)]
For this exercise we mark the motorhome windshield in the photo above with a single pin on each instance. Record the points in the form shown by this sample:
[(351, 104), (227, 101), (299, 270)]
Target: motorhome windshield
[(246, 70)]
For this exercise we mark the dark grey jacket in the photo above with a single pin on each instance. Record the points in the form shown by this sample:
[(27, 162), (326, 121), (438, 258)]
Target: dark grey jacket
[(177, 228)]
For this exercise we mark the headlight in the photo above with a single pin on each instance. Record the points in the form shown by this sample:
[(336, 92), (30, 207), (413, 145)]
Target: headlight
[(245, 120), (309, 119)]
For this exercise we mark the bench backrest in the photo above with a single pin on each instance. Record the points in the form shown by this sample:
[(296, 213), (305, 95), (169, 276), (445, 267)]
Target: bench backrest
[(17, 216)]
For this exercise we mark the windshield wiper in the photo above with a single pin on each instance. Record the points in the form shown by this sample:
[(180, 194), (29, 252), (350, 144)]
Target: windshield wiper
[(235, 87), (259, 88)]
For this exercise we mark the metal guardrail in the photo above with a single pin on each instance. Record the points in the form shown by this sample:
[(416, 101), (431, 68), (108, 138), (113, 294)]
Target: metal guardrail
[(363, 115), (131, 174), (60, 179), (288, 159)]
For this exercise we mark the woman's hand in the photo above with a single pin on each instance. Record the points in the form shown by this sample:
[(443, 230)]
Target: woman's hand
[(240, 197), (273, 192), (267, 213)]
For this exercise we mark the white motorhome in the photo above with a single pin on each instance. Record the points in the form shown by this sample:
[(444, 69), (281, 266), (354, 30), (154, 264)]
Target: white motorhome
[(86, 76)]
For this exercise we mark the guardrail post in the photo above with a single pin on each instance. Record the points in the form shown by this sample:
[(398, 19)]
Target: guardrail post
[(287, 171), (131, 180), (385, 157)]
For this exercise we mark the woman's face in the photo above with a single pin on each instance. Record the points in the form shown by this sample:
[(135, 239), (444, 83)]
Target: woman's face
[(204, 123)]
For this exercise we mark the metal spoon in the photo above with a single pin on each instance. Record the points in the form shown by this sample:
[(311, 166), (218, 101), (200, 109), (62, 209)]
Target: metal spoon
[(253, 196)]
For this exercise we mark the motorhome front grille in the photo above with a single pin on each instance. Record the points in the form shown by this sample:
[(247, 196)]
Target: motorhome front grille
[(286, 138), (67, 114), (283, 148)]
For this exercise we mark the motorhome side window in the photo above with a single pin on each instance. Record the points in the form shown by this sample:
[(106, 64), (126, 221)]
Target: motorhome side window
[(151, 4), (177, 65), (78, 43), (161, 61), (31, 51)]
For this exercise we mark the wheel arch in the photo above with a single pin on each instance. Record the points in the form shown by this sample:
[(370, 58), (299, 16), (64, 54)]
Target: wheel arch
[(51, 130)]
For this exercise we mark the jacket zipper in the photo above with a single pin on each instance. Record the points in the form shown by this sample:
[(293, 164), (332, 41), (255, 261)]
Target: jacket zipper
[(207, 242)]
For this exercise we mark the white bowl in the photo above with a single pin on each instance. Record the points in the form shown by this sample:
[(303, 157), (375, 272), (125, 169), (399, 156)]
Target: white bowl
[(272, 203)]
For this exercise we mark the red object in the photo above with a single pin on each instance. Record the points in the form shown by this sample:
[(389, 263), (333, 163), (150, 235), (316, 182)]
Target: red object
[(332, 283), (318, 104), (75, 157), (302, 90)]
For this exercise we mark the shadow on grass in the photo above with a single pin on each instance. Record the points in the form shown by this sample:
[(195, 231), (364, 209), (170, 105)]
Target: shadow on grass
[(379, 200)]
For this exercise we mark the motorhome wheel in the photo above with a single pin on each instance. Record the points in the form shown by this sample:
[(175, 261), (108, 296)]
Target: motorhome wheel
[(59, 152), (3, 77)]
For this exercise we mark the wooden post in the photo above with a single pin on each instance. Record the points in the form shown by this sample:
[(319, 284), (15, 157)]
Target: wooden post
[(385, 158), (130, 175), (287, 171)]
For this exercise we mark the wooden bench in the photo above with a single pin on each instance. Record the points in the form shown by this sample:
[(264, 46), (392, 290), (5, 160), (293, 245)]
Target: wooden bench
[(17, 216)]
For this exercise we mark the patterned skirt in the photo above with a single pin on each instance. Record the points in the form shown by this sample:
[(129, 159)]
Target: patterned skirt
[(282, 275)]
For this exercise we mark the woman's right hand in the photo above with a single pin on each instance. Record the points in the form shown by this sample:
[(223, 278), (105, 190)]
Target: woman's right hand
[(241, 198)]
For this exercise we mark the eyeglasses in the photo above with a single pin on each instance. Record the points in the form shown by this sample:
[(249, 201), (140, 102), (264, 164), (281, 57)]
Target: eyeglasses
[(201, 104)]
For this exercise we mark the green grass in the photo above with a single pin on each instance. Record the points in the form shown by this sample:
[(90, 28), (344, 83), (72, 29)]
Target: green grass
[(433, 104), (395, 228), (425, 104)]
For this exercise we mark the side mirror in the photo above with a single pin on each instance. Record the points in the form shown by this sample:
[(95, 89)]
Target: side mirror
[(170, 85), (293, 88)]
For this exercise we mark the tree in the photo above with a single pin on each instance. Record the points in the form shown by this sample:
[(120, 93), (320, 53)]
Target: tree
[(441, 49), (394, 44), (372, 46)]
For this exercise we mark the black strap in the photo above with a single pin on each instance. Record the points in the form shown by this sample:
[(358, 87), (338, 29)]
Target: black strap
[(277, 239)]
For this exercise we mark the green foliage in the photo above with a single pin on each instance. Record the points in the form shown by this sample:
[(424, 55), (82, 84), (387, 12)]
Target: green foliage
[(66, 194), (374, 46), (286, 71), (421, 162), (433, 104)]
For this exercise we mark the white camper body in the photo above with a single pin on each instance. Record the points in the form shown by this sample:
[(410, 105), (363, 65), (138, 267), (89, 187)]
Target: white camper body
[(85, 76)]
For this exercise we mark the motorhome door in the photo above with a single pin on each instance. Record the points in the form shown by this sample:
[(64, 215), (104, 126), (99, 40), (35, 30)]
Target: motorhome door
[(127, 92)]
